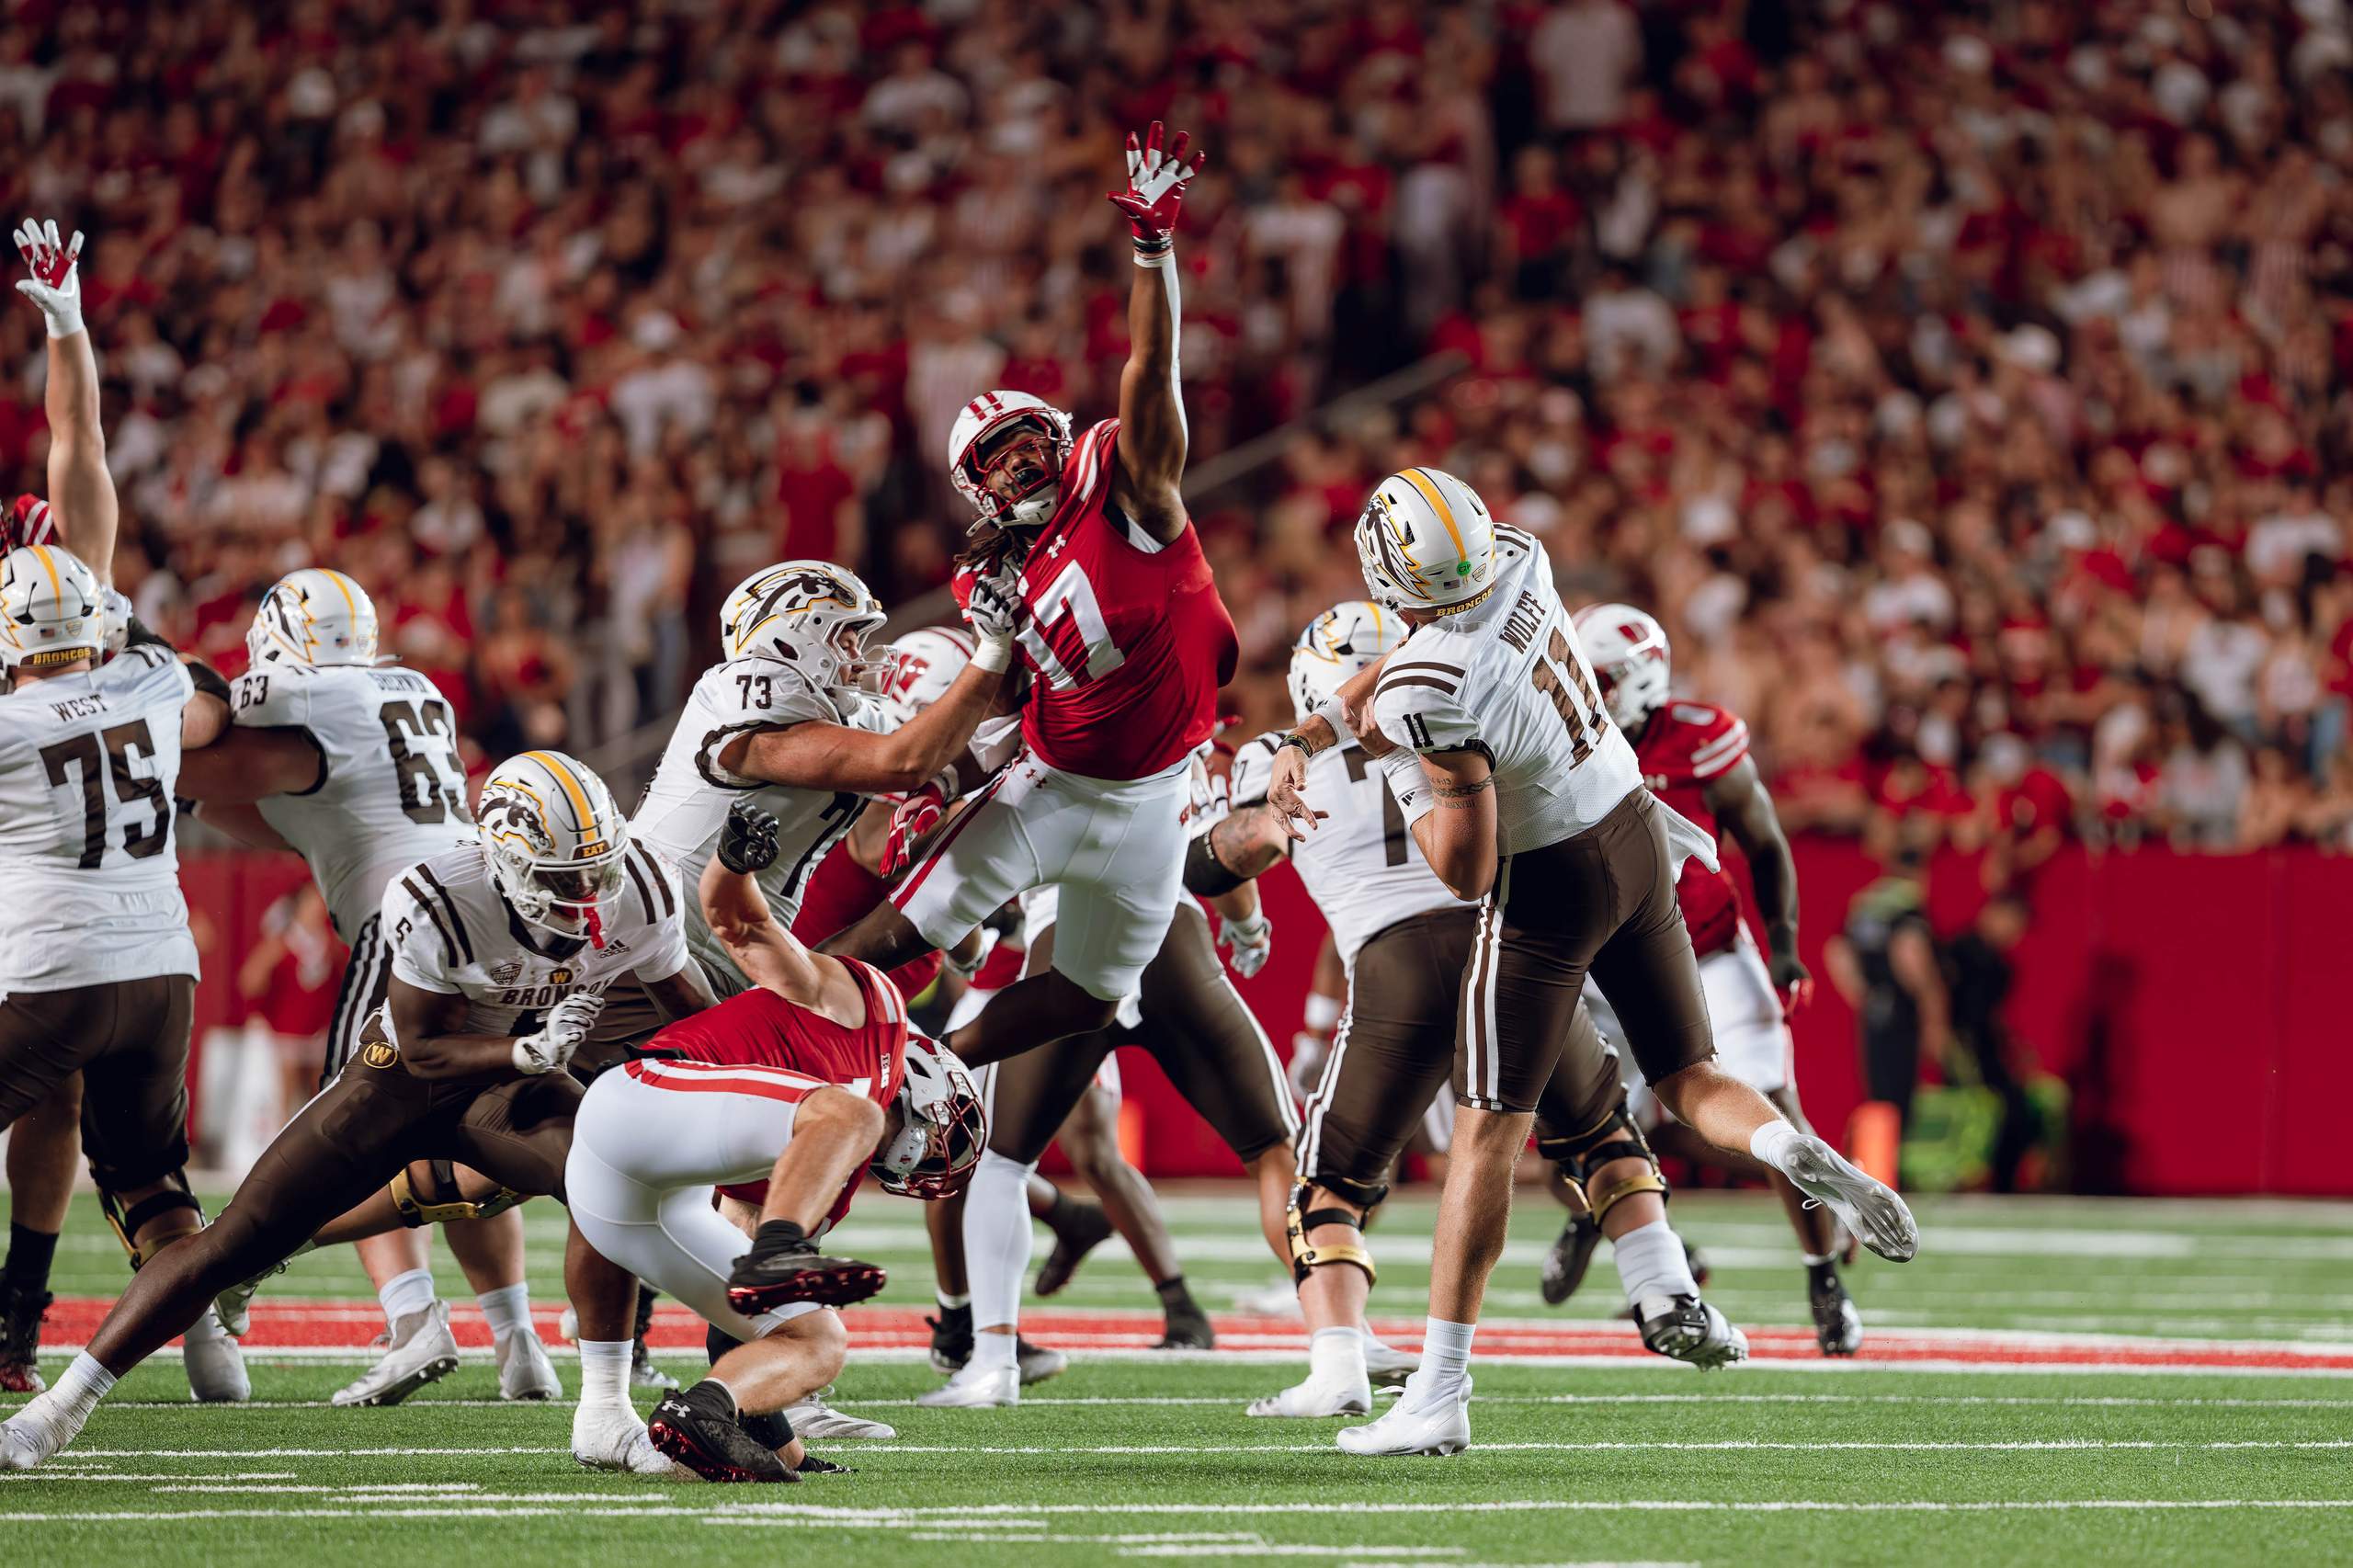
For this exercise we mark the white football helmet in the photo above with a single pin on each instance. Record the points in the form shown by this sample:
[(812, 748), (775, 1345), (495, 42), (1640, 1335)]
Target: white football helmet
[(118, 611), (554, 839), (1627, 648), (1427, 542), (812, 615), (1348, 638), (52, 609), (941, 1130), (314, 617), (989, 433), (924, 665)]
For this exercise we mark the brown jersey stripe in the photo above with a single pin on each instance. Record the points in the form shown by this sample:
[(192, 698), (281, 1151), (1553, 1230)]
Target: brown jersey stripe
[(457, 926), (424, 902), (1447, 686)]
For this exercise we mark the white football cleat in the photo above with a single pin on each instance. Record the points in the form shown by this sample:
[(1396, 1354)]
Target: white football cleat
[(1410, 1426), (1311, 1400), (235, 1305), (813, 1417), (1387, 1366), (613, 1437), (975, 1387), (1863, 1204), (419, 1350), (215, 1366), (35, 1434), (524, 1370)]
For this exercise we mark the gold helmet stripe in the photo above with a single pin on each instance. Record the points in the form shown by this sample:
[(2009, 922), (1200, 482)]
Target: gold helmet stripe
[(341, 587), (56, 587), (1421, 481), (584, 814)]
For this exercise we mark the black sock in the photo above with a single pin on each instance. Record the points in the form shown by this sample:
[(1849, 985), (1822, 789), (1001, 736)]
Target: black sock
[(778, 1235), (646, 1295), (710, 1397), (1058, 1212), (1821, 1274), (1175, 1300), (30, 1253), (718, 1342)]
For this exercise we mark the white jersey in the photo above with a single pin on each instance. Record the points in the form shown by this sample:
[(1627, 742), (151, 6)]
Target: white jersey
[(450, 932), (1509, 679), (1361, 864), (686, 804), (89, 875), (392, 787)]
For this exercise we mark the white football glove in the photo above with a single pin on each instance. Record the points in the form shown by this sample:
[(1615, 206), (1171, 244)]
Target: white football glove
[(567, 1024), (1248, 942), (1306, 1068), (56, 283), (993, 612)]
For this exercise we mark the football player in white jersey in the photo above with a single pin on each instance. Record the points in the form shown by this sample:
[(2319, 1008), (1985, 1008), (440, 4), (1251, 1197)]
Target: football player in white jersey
[(1522, 794), (788, 719), (1405, 942), (45, 1145), (355, 766), (98, 966), (503, 951)]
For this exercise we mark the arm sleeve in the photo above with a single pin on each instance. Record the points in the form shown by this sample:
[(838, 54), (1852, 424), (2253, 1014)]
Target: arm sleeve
[(1401, 770)]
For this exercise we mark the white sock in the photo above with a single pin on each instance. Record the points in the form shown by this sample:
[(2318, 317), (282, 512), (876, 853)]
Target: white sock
[(991, 1351), (1811, 1261), (77, 1391), (948, 1304), (1652, 1266), (406, 1293), (1335, 1357), (604, 1371), (1773, 1144), (1446, 1360), (206, 1327), (508, 1307), (996, 1244)]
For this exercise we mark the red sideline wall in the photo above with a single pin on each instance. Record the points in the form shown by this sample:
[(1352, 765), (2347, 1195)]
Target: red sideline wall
[(2188, 1001)]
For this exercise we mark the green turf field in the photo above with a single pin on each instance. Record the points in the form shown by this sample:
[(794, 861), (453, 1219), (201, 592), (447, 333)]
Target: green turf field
[(1140, 1458)]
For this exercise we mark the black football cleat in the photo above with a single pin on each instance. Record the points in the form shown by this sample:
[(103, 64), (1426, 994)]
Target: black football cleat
[(784, 1267), (951, 1338), (1838, 1327), (1570, 1256), (698, 1429), (1079, 1228), (1188, 1331), (20, 1315), (812, 1465)]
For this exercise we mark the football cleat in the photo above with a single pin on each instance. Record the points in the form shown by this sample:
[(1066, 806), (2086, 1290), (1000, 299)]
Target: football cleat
[(1313, 1399), (35, 1434), (419, 1350), (813, 1417), (1864, 1205), (1038, 1363), (763, 1280), (1086, 1228), (976, 1388), (20, 1314), (215, 1366), (812, 1465), (1413, 1426), (1386, 1366), (524, 1370), (643, 1371), (1186, 1330), (951, 1338), (1569, 1257), (698, 1429), (1690, 1330), (1838, 1327), (610, 1436)]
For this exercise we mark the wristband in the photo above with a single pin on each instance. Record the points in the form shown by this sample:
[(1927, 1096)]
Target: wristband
[(994, 656), (1334, 712), (1155, 253), (1295, 742), (1323, 1012)]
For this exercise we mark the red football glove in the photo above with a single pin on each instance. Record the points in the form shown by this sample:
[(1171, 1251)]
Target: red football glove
[(1793, 981), (1156, 182), (916, 816), (29, 522)]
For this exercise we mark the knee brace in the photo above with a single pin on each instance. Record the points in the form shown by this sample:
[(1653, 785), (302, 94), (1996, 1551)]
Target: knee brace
[(126, 1221), (1615, 1137), (443, 1199), (1305, 1258)]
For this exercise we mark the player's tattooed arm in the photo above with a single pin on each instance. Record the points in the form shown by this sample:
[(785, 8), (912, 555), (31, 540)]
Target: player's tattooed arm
[(1457, 838), (1150, 461), (1745, 806)]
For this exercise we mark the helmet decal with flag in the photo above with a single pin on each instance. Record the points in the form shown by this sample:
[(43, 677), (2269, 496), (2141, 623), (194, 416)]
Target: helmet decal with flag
[(941, 1127), (924, 665), (1018, 432), (315, 616), (812, 615), (555, 840), (1427, 542), (1627, 648), (52, 609), (1348, 638)]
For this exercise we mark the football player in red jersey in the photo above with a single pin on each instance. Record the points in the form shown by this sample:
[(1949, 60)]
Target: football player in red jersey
[(808, 1079), (1126, 644), (1695, 757)]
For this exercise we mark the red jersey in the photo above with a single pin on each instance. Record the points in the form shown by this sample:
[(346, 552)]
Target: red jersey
[(1683, 747), (790, 1050), (1127, 641), (839, 893)]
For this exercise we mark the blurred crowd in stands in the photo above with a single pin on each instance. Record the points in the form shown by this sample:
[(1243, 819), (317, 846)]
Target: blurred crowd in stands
[(1965, 385)]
